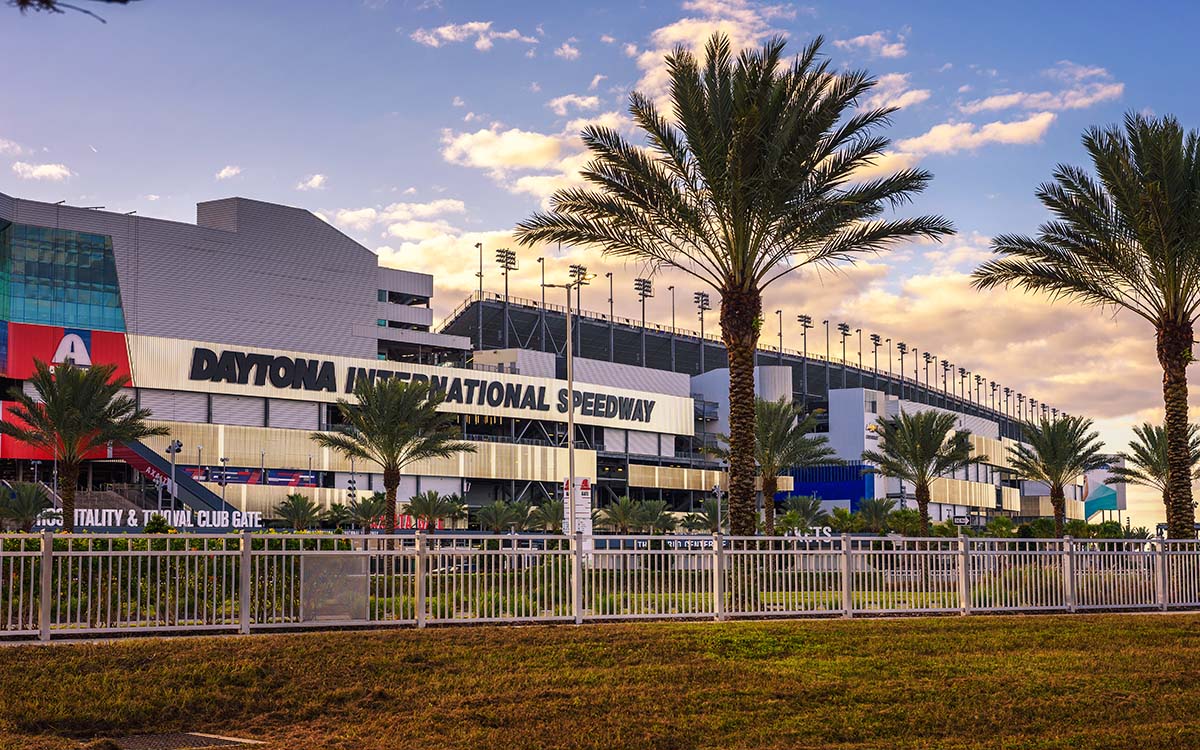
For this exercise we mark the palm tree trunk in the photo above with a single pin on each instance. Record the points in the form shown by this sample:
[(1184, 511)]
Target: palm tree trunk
[(769, 483), (1174, 354), (68, 474), (391, 480), (741, 313), (1059, 502), (922, 492)]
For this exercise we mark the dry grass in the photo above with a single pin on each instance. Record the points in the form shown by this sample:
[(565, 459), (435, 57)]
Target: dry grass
[(1103, 681)]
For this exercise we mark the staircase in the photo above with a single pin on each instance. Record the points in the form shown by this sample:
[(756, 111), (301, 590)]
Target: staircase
[(190, 492)]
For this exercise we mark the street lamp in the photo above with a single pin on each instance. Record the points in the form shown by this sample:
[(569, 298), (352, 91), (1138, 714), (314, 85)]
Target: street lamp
[(859, 332), (578, 279), (479, 247), (702, 303), (224, 475), (805, 322), (962, 384), (828, 358), (644, 289), (507, 260), (173, 449), (844, 330), (612, 356), (876, 341), (199, 462), (903, 349), (718, 493), (671, 289)]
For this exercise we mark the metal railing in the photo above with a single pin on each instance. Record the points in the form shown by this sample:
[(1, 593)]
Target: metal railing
[(108, 584)]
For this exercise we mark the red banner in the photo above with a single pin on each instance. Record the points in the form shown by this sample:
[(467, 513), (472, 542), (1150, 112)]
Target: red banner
[(55, 345)]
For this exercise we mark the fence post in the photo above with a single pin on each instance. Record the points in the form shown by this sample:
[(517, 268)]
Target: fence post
[(47, 582), (1161, 573), (244, 584), (964, 572), (718, 586), (577, 576), (847, 578), (422, 561), (1069, 573)]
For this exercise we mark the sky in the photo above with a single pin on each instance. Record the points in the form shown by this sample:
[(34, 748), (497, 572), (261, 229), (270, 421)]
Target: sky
[(421, 127)]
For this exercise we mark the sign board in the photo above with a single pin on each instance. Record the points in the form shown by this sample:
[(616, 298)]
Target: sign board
[(962, 521), (577, 507)]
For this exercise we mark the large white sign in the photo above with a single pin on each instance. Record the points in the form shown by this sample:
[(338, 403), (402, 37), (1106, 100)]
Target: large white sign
[(577, 508)]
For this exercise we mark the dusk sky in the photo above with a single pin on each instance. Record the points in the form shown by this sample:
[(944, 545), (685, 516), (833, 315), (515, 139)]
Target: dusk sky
[(422, 127)]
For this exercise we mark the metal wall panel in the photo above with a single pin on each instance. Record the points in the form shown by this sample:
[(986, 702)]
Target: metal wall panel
[(178, 406), (632, 377), (238, 410), (296, 415), (643, 443)]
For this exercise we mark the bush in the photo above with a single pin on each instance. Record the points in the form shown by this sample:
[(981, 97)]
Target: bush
[(156, 525)]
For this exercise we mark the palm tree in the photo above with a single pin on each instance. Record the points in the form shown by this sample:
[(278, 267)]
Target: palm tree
[(715, 514), (458, 509), (624, 516), (299, 512), (1055, 452), (76, 411), (656, 517), (25, 506), (782, 440), (549, 516), (693, 522), (1127, 238), (429, 507), (394, 424), (918, 448), (875, 512), (1146, 462), (501, 516), (808, 510), (338, 516), (752, 178), (845, 522), (366, 512)]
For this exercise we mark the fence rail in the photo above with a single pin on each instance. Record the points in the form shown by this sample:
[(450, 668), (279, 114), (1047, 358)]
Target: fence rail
[(106, 584)]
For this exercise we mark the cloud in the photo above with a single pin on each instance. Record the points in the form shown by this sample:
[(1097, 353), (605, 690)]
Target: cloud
[(630, 49), (1086, 86), (887, 163), (361, 219), (457, 102), (535, 87), (501, 150), (948, 138), (51, 172), (403, 219), (10, 148), (567, 52), (607, 38), (228, 171), (561, 104), (151, 197), (312, 182), (453, 33), (878, 44), (596, 79), (892, 91)]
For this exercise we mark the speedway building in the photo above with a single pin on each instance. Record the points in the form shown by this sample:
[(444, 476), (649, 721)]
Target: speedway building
[(240, 332)]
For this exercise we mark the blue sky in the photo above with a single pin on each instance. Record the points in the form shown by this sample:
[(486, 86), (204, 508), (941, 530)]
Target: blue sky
[(422, 127)]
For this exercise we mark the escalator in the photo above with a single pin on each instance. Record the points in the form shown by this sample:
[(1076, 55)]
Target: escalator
[(191, 493)]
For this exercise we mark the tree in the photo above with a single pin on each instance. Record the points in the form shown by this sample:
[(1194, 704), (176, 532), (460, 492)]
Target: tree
[(75, 412), (919, 448), (1146, 462), (500, 516), (1055, 452), (782, 440), (1001, 527), (394, 424), (907, 522), (549, 516), (25, 505), (808, 510), (299, 512), (657, 518), (366, 512), (429, 507), (338, 516), (1128, 238), (875, 512), (57, 6), (624, 516), (845, 522), (753, 177), (458, 509)]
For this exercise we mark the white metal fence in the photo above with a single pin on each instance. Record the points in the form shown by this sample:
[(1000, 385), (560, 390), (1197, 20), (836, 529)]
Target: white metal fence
[(104, 584)]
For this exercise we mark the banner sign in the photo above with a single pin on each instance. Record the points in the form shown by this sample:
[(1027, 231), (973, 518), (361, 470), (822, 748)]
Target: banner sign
[(97, 519)]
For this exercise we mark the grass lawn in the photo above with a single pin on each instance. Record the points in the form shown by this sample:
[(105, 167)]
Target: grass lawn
[(1085, 681)]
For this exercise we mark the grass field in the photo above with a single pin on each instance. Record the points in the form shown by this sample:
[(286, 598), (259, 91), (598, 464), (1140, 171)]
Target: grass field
[(1084, 681)]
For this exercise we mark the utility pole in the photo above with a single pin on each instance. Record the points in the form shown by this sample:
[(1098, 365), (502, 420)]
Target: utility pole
[(644, 289)]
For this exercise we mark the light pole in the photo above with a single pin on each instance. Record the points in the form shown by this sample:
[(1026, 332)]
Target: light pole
[(844, 331), (718, 493), (779, 314), (805, 322), (1007, 392), (928, 358), (828, 373), (946, 367), (876, 341), (859, 332), (644, 289), (173, 450), (903, 349), (702, 303), (671, 289), (224, 475), (479, 247), (508, 262), (577, 280), (199, 462), (579, 277), (542, 310), (262, 467), (889, 343), (962, 384), (612, 355), (978, 388)]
